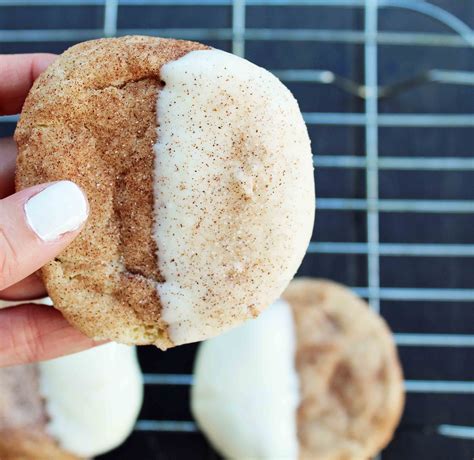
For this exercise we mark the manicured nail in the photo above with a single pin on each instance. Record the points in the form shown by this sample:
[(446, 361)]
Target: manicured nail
[(58, 209)]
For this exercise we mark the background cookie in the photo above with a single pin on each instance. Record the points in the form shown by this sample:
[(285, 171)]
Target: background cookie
[(198, 170), (317, 377), (73, 407)]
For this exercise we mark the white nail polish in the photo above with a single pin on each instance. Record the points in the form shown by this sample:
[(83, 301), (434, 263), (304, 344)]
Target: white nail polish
[(58, 209)]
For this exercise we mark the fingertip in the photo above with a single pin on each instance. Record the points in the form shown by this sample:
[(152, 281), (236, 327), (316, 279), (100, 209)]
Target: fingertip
[(41, 63), (36, 224), (17, 74)]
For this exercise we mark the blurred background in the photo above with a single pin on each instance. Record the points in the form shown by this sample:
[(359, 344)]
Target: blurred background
[(387, 90)]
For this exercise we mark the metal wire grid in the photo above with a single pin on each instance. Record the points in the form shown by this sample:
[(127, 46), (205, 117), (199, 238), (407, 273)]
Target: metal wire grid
[(370, 120)]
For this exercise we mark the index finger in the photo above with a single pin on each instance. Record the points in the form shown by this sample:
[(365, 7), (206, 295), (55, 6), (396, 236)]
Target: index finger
[(17, 74)]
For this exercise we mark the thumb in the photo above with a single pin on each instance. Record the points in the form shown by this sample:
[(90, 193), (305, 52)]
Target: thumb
[(36, 224)]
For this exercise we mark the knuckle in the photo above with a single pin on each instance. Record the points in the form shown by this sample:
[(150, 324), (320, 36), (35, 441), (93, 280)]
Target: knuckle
[(20, 338), (8, 259), (32, 346)]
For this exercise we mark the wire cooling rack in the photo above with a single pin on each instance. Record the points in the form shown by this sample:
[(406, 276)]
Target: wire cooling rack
[(395, 174)]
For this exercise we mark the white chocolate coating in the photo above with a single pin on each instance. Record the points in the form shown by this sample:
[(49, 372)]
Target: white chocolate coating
[(250, 412), (92, 398), (234, 192)]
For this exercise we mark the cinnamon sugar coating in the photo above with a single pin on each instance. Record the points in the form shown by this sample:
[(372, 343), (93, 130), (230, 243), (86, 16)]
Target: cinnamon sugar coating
[(91, 118), (200, 213)]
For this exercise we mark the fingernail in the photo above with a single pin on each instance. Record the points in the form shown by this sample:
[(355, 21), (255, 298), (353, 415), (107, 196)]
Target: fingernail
[(58, 209)]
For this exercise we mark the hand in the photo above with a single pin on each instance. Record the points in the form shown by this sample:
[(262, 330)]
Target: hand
[(36, 224)]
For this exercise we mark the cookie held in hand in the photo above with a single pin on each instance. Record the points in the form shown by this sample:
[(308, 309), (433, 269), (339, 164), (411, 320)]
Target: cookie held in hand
[(198, 171)]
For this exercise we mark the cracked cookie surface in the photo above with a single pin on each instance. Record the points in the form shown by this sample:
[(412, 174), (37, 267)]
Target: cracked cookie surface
[(198, 170)]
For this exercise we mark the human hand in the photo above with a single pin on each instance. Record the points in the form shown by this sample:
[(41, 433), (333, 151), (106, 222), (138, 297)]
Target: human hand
[(36, 224)]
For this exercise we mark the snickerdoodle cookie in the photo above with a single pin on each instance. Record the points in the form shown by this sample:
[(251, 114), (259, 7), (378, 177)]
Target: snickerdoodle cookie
[(68, 408), (316, 377), (198, 171)]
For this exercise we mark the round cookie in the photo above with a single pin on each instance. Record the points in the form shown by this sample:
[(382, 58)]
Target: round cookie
[(68, 408), (316, 377), (198, 170)]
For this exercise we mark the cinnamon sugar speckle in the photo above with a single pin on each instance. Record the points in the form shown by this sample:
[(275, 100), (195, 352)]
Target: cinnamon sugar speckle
[(351, 384), (231, 184), (234, 192)]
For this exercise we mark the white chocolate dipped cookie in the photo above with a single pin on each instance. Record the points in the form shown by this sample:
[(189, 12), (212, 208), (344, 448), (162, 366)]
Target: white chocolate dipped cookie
[(78, 406), (198, 170), (316, 377)]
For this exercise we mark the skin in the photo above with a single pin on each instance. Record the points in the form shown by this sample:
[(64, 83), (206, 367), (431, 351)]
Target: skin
[(28, 332)]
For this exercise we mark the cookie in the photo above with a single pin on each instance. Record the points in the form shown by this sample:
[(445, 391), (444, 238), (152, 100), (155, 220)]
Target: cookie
[(198, 170), (316, 377), (68, 408)]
